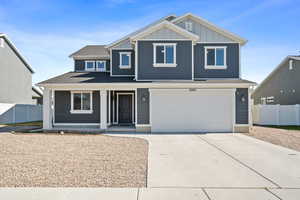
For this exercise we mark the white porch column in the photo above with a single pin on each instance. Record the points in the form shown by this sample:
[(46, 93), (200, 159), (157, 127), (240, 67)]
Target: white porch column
[(47, 110), (103, 109)]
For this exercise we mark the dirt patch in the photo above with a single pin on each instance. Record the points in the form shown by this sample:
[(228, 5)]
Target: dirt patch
[(41, 160), (285, 138)]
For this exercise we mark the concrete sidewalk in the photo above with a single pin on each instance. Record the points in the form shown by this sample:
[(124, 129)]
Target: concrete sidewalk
[(146, 194)]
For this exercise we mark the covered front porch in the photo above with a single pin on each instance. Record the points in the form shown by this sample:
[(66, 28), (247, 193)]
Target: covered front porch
[(71, 109)]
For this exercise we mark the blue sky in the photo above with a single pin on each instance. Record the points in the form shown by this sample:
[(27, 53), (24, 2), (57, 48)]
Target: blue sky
[(47, 31)]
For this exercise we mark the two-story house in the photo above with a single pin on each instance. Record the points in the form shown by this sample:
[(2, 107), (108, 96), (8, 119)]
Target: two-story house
[(178, 74)]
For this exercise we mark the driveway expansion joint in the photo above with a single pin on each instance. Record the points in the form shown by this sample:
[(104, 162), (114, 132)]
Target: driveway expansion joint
[(273, 194), (237, 160)]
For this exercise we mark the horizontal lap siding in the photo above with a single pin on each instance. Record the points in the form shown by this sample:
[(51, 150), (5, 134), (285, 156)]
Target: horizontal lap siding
[(143, 106), (116, 62), (183, 70), (79, 65), (232, 59), (63, 107)]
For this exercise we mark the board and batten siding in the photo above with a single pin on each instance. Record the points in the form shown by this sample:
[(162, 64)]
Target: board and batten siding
[(232, 61), (283, 86), (143, 114), (205, 34), (63, 106), (116, 70), (79, 65), (241, 108), (183, 70)]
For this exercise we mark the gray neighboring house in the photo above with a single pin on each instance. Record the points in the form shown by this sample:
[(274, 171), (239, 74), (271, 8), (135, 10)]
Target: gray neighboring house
[(282, 85), (15, 74), (178, 74)]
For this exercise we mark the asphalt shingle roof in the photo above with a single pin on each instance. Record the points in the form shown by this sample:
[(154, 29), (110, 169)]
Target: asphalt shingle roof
[(92, 51)]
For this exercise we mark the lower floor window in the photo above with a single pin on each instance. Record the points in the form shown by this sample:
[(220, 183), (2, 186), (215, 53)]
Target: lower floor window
[(81, 102)]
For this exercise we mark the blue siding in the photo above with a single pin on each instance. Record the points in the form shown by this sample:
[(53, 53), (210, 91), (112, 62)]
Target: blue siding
[(232, 58), (183, 70), (143, 113), (241, 108), (116, 62)]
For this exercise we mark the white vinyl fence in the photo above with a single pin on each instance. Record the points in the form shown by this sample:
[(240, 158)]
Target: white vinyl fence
[(16, 113), (276, 114)]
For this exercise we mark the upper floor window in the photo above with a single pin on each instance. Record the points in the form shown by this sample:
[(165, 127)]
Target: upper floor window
[(164, 55), (215, 57), (81, 102), (188, 26), (101, 66), (125, 60), (90, 65)]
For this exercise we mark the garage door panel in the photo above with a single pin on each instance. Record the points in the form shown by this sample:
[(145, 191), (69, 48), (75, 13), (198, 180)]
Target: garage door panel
[(191, 111)]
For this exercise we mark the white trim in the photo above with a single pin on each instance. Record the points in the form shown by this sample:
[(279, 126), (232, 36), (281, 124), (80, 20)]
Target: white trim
[(135, 32), (121, 66), (240, 61), (217, 43), (53, 108), (234, 109), (109, 106), (113, 107), (81, 111), (174, 64), (122, 49), (96, 66), (135, 102), (215, 66), (164, 40), (188, 25), (103, 109), (241, 125), (89, 61), (136, 60), (142, 125), (110, 62), (122, 75), (161, 25), (1, 42), (211, 26), (193, 64), (250, 122), (132, 110)]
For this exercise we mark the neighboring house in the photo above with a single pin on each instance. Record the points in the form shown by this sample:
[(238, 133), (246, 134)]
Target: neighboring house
[(37, 96), (15, 74), (178, 74), (282, 85)]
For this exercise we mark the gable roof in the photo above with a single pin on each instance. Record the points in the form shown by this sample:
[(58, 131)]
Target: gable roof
[(36, 92), (281, 64), (168, 18), (16, 51), (211, 26), (165, 24), (91, 51)]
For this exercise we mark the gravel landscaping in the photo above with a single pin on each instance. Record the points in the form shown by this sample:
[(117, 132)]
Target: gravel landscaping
[(282, 137), (52, 160)]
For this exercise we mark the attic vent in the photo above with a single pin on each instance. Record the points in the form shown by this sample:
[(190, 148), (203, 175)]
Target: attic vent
[(189, 26), (291, 64), (1, 42)]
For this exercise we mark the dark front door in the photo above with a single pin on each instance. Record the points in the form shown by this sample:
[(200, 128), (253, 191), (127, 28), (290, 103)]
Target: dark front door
[(125, 109)]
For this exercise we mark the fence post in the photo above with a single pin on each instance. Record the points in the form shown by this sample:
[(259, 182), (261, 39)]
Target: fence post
[(278, 114), (297, 114)]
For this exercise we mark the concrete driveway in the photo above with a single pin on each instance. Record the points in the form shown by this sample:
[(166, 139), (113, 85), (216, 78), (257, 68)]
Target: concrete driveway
[(202, 167)]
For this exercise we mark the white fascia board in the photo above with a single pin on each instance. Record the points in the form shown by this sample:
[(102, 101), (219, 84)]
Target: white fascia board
[(17, 52), (164, 24), (135, 32), (114, 86), (211, 26)]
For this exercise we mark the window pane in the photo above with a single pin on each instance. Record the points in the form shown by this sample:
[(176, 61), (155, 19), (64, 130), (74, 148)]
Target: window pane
[(169, 54), (220, 57), (86, 99), (125, 60), (210, 57), (77, 101), (101, 66), (89, 65), (159, 54)]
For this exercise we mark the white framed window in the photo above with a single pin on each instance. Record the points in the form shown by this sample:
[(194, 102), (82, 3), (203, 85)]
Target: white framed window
[(188, 26), (90, 65), (101, 65), (270, 99), (81, 102), (263, 100), (215, 57), (125, 60), (164, 55), (1, 42)]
